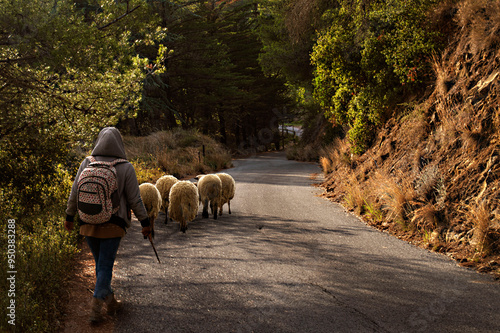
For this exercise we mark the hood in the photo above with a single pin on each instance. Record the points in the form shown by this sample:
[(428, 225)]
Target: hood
[(109, 143)]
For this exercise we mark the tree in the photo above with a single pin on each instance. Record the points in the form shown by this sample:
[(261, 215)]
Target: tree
[(213, 81), (65, 72)]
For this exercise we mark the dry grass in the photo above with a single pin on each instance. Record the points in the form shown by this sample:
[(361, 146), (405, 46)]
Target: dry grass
[(427, 183), (397, 197), (481, 17), (426, 217), (355, 195), (178, 152), (436, 171), (479, 213), (308, 152), (336, 155), (326, 165)]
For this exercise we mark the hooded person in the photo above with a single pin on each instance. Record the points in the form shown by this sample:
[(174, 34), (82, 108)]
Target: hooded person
[(104, 239)]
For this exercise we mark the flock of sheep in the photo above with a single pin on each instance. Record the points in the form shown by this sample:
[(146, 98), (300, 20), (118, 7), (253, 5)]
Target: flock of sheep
[(179, 199)]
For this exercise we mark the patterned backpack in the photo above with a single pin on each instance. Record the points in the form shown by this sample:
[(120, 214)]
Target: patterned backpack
[(97, 196)]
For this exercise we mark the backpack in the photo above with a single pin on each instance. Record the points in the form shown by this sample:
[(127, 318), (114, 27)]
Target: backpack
[(97, 196)]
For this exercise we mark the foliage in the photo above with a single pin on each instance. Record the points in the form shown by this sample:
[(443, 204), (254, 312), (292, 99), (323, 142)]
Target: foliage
[(43, 252), (64, 75), (371, 55), (66, 70), (287, 31)]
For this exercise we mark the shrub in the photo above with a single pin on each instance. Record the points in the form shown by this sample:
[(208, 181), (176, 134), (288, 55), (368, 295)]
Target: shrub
[(43, 252), (368, 58)]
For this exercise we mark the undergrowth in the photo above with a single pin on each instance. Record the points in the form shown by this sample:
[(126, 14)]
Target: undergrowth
[(42, 256), (178, 152)]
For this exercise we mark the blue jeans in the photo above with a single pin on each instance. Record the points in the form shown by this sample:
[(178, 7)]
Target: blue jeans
[(104, 251)]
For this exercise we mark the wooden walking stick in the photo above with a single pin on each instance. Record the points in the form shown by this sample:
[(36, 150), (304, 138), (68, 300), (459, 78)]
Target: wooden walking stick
[(151, 241)]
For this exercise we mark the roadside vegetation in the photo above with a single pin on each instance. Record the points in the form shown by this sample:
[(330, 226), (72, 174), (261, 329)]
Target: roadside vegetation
[(178, 152), (431, 175), (410, 141)]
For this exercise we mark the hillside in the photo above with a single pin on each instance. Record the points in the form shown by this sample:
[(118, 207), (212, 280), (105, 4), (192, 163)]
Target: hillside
[(432, 175)]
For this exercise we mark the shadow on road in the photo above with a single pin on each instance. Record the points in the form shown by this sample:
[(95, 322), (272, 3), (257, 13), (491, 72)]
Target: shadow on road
[(261, 273)]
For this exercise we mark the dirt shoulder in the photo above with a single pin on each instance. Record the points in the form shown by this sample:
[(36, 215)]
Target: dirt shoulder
[(78, 295)]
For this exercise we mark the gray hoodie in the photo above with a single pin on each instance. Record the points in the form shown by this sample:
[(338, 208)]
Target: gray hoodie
[(108, 147)]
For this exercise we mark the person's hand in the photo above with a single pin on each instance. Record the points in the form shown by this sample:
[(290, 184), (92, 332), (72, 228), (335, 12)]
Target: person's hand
[(68, 225), (146, 231)]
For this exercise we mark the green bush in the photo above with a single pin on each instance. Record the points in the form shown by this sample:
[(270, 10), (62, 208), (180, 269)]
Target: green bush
[(368, 58), (43, 253)]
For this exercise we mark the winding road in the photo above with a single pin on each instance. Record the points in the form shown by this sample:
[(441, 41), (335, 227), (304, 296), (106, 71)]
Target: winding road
[(287, 260)]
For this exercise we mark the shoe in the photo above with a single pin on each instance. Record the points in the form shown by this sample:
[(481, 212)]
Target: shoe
[(112, 304), (96, 310)]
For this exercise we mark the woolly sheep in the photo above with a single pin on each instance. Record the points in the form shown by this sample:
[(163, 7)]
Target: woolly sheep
[(163, 185), (228, 187), (151, 198), (183, 205), (210, 189)]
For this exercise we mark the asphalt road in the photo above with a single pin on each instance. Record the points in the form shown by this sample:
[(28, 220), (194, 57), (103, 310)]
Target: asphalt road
[(287, 260)]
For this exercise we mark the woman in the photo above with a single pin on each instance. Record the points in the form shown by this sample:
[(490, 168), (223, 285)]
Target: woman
[(104, 239)]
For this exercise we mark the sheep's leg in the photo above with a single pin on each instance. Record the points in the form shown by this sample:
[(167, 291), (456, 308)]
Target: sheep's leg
[(205, 209), (229, 206), (220, 209), (183, 226), (166, 215), (215, 211)]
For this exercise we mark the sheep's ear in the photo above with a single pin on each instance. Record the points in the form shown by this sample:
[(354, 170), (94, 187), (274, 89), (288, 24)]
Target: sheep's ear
[(198, 177)]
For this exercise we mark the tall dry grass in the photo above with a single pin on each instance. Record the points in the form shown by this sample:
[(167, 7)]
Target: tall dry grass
[(396, 196), (181, 153), (482, 16), (335, 155), (355, 195), (484, 226)]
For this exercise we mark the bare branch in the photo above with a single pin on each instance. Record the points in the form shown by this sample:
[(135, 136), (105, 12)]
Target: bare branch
[(118, 18)]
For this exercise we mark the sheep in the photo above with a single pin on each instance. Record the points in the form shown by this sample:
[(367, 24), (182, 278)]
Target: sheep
[(228, 187), (210, 189), (151, 198), (183, 204), (163, 185)]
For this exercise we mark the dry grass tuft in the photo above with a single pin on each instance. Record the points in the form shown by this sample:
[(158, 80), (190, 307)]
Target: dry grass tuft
[(336, 155), (426, 217), (479, 213), (397, 197), (326, 165), (308, 152), (427, 182), (481, 16), (355, 195), (178, 152)]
